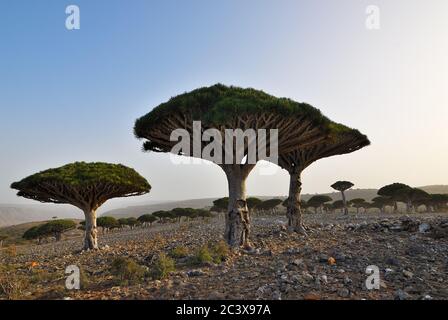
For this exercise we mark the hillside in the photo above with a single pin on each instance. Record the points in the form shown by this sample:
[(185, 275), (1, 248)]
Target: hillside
[(12, 214), (15, 232), (436, 189)]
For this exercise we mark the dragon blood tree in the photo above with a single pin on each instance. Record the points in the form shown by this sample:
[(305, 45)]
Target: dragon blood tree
[(340, 140), (86, 186), (343, 186), (224, 111)]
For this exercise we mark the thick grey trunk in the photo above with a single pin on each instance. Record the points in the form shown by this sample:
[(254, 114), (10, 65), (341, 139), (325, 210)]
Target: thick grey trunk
[(237, 228), (90, 239), (294, 211)]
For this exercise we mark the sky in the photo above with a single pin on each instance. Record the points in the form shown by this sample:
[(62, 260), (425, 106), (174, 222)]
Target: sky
[(73, 95)]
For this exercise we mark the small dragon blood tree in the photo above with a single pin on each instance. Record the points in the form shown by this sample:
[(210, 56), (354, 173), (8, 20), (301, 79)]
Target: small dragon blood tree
[(84, 185)]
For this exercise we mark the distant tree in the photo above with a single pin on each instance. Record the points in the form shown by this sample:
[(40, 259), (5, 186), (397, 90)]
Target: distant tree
[(220, 205), (394, 192), (414, 196), (122, 222), (253, 203), (202, 213), (327, 208), (164, 216), (399, 192), (342, 186), (32, 233), (107, 223), (84, 185), (358, 203), (188, 213), (53, 228), (337, 205), (2, 238), (302, 203), (132, 222), (147, 219), (437, 202), (381, 202), (318, 201), (269, 205), (82, 225), (56, 228)]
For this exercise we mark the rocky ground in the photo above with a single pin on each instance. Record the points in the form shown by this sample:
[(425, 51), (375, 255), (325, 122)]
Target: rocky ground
[(411, 253)]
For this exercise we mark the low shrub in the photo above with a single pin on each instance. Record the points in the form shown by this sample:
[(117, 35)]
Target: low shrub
[(162, 267), (202, 256), (126, 270), (212, 253), (179, 252), (220, 251), (12, 286)]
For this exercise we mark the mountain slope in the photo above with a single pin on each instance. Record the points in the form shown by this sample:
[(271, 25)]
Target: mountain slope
[(17, 214)]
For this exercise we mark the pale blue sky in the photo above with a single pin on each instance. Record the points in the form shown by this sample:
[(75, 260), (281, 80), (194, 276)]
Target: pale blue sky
[(74, 95)]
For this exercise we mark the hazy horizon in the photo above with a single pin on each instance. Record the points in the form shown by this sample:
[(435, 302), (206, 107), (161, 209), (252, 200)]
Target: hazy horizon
[(74, 95)]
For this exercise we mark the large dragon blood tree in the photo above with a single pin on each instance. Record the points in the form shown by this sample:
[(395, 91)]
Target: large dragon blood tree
[(340, 140), (220, 108), (84, 185)]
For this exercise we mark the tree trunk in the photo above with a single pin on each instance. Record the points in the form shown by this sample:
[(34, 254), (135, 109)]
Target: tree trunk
[(409, 207), (237, 228), (90, 240), (294, 211), (344, 202), (395, 207)]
